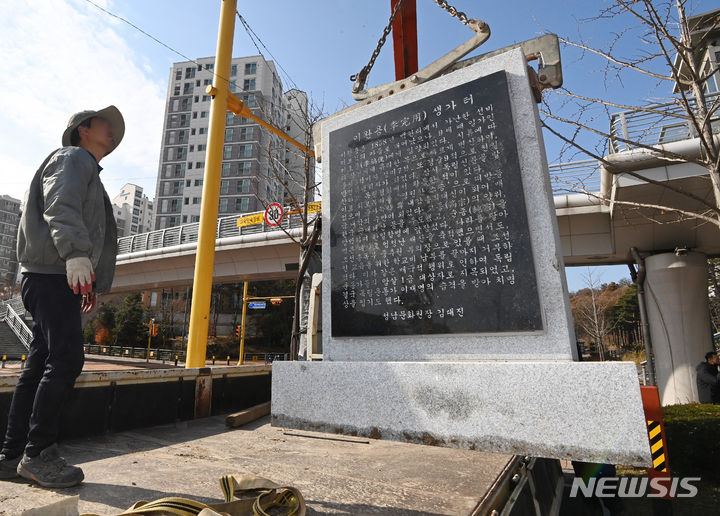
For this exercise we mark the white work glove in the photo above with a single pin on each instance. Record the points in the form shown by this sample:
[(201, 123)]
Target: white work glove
[(80, 274)]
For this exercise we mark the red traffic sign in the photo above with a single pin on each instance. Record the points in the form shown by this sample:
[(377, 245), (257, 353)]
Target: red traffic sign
[(274, 214)]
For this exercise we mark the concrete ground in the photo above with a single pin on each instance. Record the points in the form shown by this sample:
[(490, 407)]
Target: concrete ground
[(335, 477)]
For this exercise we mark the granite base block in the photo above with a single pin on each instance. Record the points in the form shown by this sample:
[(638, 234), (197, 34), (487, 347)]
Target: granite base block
[(566, 410)]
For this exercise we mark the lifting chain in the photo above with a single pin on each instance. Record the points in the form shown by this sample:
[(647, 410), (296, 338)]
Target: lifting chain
[(453, 12), (361, 77)]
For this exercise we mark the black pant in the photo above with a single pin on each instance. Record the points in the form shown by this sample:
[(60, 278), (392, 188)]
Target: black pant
[(55, 360)]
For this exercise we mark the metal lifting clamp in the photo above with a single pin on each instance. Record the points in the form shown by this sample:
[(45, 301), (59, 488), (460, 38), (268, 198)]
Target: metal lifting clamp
[(435, 69)]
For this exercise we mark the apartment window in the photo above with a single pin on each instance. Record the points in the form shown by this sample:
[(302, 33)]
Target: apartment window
[(197, 98), (233, 86), (184, 120), (175, 205), (182, 135), (223, 205), (198, 182), (196, 200), (203, 114), (133, 228), (190, 73), (249, 100), (248, 84), (206, 98), (242, 204), (135, 220), (186, 104), (229, 117), (173, 221), (202, 147), (199, 164), (246, 133), (202, 130), (206, 82), (176, 187), (197, 83), (187, 200), (189, 165), (244, 167), (194, 114), (233, 70), (229, 134), (179, 169), (250, 68), (227, 152), (188, 182), (192, 131), (136, 211), (245, 151), (176, 90), (181, 153), (224, 187), (243, 186), (184, 219), (188, 88), (210, 66), (178, 74), (137, 202), (195, 218), (192, 148), (225, 169)]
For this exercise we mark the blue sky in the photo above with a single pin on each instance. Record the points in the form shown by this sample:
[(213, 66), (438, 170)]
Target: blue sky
[(63, 56)]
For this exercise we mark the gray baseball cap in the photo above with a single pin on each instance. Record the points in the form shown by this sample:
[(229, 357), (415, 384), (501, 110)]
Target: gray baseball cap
[(110, 113)]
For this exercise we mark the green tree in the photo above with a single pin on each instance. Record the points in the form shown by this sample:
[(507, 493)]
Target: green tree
[(131, 328)]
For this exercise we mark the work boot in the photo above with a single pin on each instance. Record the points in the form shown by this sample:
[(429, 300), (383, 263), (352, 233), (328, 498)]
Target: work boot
[(8, 467), (49, 469)]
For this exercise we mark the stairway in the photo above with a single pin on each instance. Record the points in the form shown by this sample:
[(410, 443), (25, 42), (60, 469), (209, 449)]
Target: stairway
[(10, 345)]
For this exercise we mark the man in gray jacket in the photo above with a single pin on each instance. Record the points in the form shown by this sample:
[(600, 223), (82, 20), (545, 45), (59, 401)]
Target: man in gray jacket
[(67, 245)]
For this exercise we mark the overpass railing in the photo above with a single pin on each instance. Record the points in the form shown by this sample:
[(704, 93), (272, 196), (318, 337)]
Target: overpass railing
[(666, 123), (568, 178), (188, 233)]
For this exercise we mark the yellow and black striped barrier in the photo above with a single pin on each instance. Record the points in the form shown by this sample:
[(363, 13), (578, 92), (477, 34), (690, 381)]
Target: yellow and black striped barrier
[(657, 446)]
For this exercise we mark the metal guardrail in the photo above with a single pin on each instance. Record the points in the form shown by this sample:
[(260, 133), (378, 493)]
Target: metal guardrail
[(134, 352), (18, 326), (573, 177), (188, 233), (669, 123), (265, 357)]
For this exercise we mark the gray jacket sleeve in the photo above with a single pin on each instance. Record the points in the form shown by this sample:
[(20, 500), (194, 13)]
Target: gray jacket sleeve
[(65, 184)]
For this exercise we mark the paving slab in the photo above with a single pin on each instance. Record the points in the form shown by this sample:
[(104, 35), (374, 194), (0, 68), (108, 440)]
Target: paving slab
[(335, 477)]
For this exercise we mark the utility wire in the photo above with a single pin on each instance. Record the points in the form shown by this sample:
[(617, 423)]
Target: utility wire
[(252, 33), (153, 38)]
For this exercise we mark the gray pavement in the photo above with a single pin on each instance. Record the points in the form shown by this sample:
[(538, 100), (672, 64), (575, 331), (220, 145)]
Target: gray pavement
[(335, 477)]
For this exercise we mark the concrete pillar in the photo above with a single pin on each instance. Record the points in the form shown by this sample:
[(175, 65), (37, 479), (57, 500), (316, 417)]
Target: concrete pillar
[(679, 319)]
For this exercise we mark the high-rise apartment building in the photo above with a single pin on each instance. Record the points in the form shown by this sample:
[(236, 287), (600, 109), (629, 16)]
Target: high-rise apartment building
[(133, 211), (9, 220), (255, 161)]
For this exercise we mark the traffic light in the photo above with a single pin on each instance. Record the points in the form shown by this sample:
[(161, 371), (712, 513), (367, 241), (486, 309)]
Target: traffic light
[(276, 300), (238, 331), (155, 329)]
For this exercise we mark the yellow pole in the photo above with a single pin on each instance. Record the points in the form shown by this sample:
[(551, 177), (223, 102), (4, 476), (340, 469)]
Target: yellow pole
[(242, 331), (150, 329), (205, 257)]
